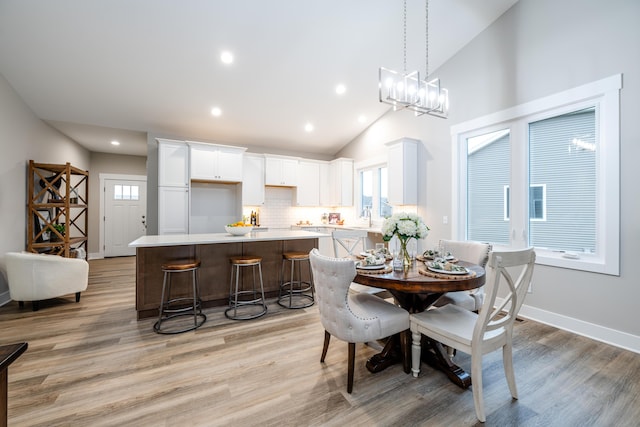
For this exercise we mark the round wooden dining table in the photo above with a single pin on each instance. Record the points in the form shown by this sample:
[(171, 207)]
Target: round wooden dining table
[(415, 291)]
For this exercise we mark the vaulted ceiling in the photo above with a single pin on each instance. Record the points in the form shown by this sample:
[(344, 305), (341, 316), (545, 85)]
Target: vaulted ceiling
[(99, 70)]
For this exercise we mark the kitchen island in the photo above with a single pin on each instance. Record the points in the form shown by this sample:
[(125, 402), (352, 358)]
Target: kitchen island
[(213, 250)]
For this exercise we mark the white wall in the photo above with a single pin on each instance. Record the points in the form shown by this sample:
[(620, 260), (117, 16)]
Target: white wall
[(24, 137), (111, 164), (537, 48)]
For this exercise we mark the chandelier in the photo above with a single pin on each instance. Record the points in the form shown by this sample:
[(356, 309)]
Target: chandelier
[(406, 91)]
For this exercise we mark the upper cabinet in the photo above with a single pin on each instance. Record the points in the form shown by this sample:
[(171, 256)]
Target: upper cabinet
[(308, 190), (281, 171), (253, 180), (173, 163), (343, 169), (403, 171), (336, 178), (211, 162)]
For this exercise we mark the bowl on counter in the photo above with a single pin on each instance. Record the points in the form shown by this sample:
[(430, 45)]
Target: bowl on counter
[(238, 231)]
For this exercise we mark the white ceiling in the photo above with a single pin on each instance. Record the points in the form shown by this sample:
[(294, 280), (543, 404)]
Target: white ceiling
[(99, 70)]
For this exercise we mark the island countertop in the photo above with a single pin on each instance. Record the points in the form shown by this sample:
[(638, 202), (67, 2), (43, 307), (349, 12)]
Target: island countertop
[(210, 238)]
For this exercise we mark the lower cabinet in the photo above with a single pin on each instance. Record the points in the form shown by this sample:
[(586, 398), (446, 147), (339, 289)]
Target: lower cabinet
[(173, 210)]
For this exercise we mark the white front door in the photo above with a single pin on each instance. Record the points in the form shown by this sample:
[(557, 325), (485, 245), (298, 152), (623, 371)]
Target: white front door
[(125, 218)]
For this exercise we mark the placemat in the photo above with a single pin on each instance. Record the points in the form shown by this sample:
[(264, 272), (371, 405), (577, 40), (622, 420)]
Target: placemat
[(430, 273), (385, 270)]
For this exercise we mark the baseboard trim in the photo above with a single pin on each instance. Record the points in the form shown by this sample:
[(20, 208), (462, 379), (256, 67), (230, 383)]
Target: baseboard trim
[(590, 330)]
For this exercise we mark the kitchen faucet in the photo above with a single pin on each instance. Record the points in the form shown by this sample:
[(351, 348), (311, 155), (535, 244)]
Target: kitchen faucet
[(366, 213)]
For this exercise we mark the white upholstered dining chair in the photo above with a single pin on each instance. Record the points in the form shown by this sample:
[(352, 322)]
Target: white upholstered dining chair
[(350, 243), (491, 329), (473, 252), (352, 317)]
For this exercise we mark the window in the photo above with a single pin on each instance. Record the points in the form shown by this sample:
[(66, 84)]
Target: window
[(545, 174), (373, 192), (126, 192)]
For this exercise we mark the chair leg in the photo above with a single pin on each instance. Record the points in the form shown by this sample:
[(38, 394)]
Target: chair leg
[(21, 304), (405, 336), (352, 360), (476, 384), (327, 338), (35, 305), (507, 360), (415, 353), (77, 296)]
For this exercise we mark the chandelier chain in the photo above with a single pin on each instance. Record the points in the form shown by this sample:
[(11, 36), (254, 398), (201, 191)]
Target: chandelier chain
[(426, 32), (404, 41)]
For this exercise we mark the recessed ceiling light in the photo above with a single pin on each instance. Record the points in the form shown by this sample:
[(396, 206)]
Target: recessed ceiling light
[(216, 112), (341, 89), (114, 142), (226, 57), (362, 118), (308, 127)]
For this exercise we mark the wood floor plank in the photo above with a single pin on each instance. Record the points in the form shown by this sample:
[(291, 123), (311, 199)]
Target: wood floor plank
[(92, 363)]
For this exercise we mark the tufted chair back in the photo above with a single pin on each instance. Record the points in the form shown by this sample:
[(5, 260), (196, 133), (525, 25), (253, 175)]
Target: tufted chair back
[(348, 316)]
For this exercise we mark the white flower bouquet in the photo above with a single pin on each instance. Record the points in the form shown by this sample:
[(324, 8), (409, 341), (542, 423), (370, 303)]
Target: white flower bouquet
[(406, 226)]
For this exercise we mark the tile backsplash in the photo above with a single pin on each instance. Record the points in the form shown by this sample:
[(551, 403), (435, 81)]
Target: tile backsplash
[(279, 211)]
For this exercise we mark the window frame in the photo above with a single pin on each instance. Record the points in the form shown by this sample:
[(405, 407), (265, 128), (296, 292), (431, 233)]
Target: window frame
[(604, 94), (507, 196), (373, 164)]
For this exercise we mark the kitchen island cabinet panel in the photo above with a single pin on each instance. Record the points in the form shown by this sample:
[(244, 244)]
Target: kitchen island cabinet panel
[(213, 251)]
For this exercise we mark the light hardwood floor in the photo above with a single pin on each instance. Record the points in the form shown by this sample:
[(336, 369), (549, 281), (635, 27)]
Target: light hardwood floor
[(93, 364)]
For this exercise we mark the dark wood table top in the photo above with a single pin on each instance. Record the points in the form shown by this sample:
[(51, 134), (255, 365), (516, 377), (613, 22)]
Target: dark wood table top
[(9, 353), (415, 283)]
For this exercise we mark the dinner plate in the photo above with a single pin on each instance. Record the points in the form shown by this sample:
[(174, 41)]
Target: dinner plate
[(366, 254), (438, 270), (369, 267)]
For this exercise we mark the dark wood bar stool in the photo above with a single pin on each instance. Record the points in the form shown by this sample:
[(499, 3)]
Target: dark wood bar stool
[(296, 293), (245, 304), (176, 307)]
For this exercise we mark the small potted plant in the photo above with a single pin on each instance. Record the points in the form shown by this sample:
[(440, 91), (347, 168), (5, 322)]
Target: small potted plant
[(60, 231)]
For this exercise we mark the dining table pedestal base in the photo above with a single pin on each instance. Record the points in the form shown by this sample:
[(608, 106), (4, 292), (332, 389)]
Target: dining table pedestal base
[(390, 355), (435, 355)]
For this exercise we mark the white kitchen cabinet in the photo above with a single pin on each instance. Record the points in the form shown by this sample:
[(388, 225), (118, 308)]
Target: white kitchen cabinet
[(253, 180), (173, 210), (281, 171), (325, 244), (341, 182), (211, 162), (308, 189), (403, 171), (173, 163), (326, 190)]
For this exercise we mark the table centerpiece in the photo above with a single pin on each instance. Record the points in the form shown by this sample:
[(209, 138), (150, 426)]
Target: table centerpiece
[(405, 226)]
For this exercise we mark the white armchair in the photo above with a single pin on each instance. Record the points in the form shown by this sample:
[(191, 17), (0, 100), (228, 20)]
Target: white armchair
[(35, 277)]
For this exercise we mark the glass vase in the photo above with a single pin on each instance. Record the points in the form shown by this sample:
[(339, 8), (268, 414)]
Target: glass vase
[(404, 254)]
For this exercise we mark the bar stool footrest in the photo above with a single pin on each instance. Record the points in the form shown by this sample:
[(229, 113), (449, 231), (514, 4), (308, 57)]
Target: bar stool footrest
[(158, 325)]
